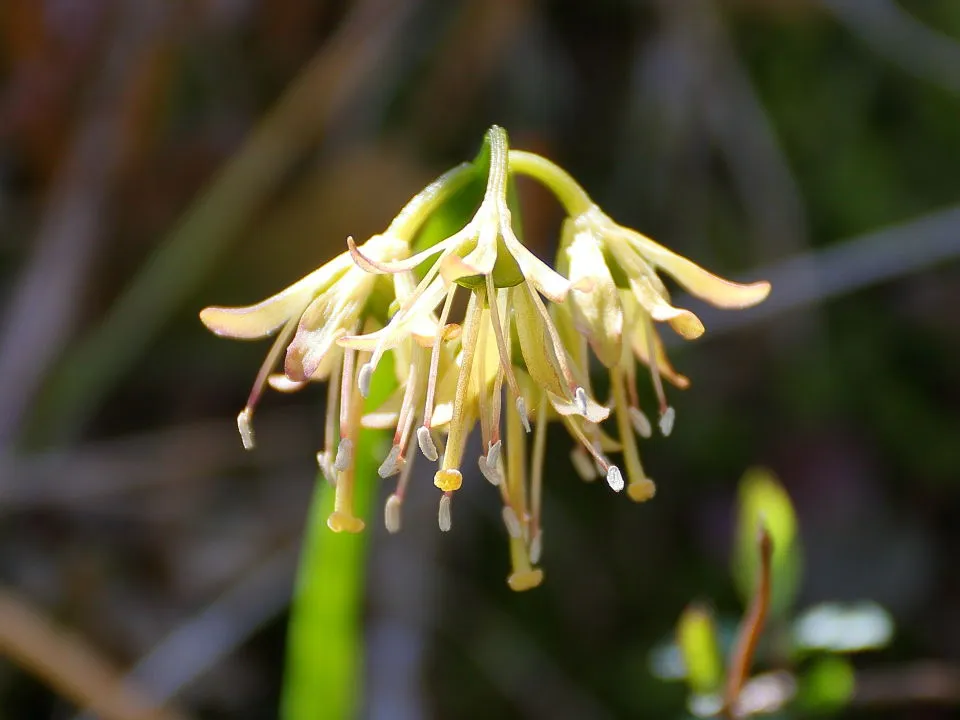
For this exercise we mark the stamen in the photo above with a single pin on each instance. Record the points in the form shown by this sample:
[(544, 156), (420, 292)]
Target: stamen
[(631, 455), (363, 379), (512, 522), (522, 411), (649, 331), (434, 366), (326, 467), (640, 422), (346, 388), (583, 464), (493, 301), (344, 455), (536, 547), (245, 418), (448, 480), (427, 446), (330, 420), (536, 465), (245, 426), (490, 472), (391, 514), (614, 478), (493, 453), (392, 464), (443, 516), (642, 490), (666, 420), (459, 427)]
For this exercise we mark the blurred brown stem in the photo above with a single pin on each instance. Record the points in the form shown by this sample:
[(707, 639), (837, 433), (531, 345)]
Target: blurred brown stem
[(741, 658), (69, 665)]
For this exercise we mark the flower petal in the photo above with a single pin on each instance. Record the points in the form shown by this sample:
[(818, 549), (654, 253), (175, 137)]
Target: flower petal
[(264, 318), (402, 324), (596, 312), (696, 280), (550, 283), (652, 300), (536, 345)]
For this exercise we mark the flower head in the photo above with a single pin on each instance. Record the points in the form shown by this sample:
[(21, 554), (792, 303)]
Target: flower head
[(513, 357)]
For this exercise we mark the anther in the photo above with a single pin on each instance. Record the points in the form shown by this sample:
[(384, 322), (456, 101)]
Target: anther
[(614, 478), (640, 422), (512, 522), (666, 420), (326, 467), (392, 464), (642, 490), (448, 480), (522, 411), (245, 425), (581, 399), (443, 517), (344, 455), (583, 464), (391, 514), (490, 472), (536, 547), (493, 453), (364, 377), (427, 446)]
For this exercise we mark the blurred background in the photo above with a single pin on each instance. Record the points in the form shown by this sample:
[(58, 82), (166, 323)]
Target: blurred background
[(157, 157)]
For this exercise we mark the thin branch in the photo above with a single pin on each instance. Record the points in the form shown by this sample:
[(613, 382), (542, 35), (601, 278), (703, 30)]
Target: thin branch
[(69, 665), (748, 636)]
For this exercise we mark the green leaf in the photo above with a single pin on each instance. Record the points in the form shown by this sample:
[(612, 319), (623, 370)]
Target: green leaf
[(700, 648), (763, 499), (324, 637), (827, 686)]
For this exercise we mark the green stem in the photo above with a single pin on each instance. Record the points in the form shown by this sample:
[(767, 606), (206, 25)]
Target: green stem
[(416, 212), (573, 197)]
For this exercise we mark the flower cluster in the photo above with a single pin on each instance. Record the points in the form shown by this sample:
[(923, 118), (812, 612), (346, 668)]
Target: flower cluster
[(517, 357)]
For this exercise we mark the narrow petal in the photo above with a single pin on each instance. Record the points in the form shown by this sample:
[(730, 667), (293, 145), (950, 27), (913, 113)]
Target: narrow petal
[(596, 312), (536, 345), (696, 280), (550, 283), (401, 325), (264, 318), (683, 321)]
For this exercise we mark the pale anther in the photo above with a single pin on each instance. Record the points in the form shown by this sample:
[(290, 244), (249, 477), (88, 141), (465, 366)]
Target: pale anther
[(640, 422), (666, 421), (583, 464), (444, 514), (245, 425), (614, 478), (392, 464), (522, 411), (427, 446), (512, 522), (536, 547), (581, 397), (363, 379), (490, 472), (391, 514), (344, 455), (493, 453), (326, 467)]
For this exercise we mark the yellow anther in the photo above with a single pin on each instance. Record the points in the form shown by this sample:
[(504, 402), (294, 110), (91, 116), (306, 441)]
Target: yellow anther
[(342, 522), (448, 480), (641, 490), (525, 579)]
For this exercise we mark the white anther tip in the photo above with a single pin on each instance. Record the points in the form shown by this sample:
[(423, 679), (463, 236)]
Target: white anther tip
[(640, 422), (245, 426), (614, 478), (493, 453), (512, 522), (344, 455), (583, 464), (443, 517), (363, 379), (666, 421), (581, 398), (392, 464), (391, 514), (490, 472), (522, 411), (536, 547), (427, 446)]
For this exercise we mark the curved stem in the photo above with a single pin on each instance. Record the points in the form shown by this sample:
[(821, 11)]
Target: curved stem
[(573, 197)]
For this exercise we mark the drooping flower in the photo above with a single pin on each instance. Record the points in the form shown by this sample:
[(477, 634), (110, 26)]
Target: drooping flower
[(310, 316), (617, 297), (522, 348)]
